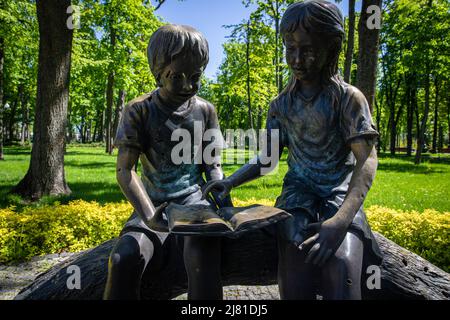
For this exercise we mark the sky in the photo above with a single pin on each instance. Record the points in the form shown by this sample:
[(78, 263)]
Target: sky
[(209, 17)]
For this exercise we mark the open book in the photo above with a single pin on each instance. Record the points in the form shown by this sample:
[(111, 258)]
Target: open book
[(230, 221)]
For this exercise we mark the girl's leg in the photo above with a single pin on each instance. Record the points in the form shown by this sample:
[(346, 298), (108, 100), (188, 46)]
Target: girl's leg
[(127, 263), (341, 274), (295, 277), (202, 258)]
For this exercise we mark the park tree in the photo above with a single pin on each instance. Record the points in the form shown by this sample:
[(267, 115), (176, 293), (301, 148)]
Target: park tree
[(350, 44), (2, 61), (245, 82), (110, 50), (45, 175), (270, 13), (414, 69), (369, 31), (18, 66)]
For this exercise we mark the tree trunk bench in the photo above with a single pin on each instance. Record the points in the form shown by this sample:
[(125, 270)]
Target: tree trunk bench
[(250, 260)]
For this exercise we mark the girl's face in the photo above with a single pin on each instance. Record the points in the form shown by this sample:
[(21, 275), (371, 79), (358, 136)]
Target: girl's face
[(306, 54)]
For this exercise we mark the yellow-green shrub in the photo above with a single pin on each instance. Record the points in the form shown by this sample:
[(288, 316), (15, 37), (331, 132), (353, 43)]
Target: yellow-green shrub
[(425, 233), (81, 225), (73, 227)]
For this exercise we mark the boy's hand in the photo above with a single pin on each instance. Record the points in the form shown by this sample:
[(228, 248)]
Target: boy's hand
[(325, 242), (157, 223), (223, 187)]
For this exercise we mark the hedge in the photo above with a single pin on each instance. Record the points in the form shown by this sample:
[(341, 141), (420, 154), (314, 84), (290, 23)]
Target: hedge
[(80, 225)]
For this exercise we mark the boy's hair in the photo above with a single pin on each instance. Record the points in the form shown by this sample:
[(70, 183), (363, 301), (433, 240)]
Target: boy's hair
[(322, 18), (172, 40)]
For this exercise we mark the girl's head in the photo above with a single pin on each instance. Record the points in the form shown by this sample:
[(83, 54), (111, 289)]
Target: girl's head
[(313, 32)]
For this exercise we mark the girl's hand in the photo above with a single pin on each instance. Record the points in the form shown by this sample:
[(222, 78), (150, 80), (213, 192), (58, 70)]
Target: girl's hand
[(223, 187), (325, 242)]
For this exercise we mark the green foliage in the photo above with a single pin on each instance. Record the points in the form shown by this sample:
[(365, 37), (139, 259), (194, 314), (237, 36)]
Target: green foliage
[(19, 31), (414, 58), (253, 54), (96, 55)]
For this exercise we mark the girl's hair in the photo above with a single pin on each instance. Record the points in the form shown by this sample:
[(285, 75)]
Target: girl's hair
[(324, 19), (172, 40)]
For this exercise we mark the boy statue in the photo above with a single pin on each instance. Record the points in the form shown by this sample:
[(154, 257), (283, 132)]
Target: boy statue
[(177, 56)]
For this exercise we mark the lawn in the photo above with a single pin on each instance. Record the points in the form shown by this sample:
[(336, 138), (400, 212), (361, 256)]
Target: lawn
[(90, 173)]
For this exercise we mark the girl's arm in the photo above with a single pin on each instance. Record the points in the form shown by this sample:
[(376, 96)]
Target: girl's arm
[(332, 232), (251, 170)]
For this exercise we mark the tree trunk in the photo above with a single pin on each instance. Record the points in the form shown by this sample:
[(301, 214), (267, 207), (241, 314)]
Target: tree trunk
[(436, 116), (82, 127), (417, 118), (410, 117), (393, 134), (423, 125), (249, 260), (396, 121), (108, 118), (350, 41), (96, 126), (110, 93), (45, 175), (440, 139), (378, 119), (12, 116), (101, 129), (24, 128), (118, 112), (249, 97), (391, 98), (2, 60), (368, 53), (278, 52), (448, 119)]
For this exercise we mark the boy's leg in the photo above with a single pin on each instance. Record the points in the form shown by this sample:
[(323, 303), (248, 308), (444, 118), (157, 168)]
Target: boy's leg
[(341, 274), (127, 263), (202, 259), (295, 277)]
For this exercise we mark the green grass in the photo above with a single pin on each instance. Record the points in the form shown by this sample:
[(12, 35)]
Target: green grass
[(90, 173)]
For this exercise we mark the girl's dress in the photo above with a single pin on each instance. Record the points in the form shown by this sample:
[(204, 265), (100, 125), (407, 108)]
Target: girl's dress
[(318, 133)]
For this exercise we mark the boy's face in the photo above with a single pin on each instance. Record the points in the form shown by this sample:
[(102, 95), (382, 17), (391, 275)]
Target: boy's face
[(180, 80), (306, 54)]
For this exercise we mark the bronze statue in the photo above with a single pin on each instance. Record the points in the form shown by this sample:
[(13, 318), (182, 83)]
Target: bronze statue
[(177, 56), (326, 125)]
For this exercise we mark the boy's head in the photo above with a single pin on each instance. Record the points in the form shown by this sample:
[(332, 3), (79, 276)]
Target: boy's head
[(177, 56), (313, 32)]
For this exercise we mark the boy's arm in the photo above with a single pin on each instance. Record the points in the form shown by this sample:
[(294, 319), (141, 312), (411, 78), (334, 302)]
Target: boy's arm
[(133, 188), (212, 166), (332, 232)]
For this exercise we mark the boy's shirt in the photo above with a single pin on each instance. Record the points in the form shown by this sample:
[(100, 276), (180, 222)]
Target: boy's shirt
[(147, 125), (317, 134)]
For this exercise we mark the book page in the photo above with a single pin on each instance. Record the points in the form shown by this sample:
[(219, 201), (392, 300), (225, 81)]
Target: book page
[(253, 216), (195, 219)]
